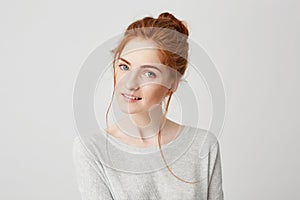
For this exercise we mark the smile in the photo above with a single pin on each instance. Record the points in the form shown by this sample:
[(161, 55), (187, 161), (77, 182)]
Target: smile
[(131, 98)]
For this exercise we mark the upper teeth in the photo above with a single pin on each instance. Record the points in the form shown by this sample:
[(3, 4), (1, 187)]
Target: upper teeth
[(131, 97)]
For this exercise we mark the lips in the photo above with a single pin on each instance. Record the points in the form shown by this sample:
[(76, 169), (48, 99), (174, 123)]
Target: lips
[(133, 97)]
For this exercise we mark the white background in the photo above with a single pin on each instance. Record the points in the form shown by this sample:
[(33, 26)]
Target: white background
[(254, 44)]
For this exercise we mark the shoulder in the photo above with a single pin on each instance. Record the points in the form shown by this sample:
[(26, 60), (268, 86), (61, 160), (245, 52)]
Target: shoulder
[(79, 148), (206, 141), (87, 146)]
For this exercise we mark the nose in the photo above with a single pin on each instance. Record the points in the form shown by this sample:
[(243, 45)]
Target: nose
[(131, 80)]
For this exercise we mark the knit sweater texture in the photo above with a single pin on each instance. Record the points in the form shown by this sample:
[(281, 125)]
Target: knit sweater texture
[(141, 173)]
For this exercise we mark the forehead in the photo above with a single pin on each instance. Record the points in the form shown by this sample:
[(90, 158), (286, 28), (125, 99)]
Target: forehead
[(141, 51)]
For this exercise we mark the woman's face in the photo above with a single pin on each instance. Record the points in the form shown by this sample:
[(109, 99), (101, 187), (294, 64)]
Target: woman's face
[(142, 81)]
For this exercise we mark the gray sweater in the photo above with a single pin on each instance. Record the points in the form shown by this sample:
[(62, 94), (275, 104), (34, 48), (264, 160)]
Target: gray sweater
[(134, 173)]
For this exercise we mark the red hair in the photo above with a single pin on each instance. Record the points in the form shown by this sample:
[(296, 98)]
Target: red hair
[(170, 35)]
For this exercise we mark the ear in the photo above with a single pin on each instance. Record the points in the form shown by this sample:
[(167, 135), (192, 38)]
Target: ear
[(169, 92), (174, 86)]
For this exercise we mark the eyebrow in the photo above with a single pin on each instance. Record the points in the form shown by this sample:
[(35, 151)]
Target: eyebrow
[(125, 61), (143, 66)]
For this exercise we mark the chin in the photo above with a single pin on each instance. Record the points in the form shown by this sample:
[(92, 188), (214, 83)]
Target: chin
[(128, 109), (131, 112)]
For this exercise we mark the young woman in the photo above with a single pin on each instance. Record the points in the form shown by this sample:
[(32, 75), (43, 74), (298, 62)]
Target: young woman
[(154, 157)]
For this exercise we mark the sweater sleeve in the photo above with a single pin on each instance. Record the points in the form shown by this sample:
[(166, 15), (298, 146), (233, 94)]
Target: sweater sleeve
[(90, 177), (215, 190)]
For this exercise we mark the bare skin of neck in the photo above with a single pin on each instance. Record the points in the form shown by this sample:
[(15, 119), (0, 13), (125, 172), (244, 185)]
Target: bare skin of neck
[(141, 129)]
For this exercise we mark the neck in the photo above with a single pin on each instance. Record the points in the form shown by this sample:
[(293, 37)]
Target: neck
[(144, 125)]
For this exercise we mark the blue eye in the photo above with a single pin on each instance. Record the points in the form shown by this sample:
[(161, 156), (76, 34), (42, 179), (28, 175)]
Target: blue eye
[(121, 66), (150, 74)]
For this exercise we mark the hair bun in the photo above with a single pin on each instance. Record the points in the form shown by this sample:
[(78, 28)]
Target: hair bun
[(178, 24), (167, 16)]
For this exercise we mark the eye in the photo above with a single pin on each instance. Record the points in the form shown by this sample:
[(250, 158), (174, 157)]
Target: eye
[(150, 74), (123, 67)]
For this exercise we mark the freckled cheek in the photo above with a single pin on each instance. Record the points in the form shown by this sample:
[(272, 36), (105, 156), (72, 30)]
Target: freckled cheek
[(154, 94), (118, 77)]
